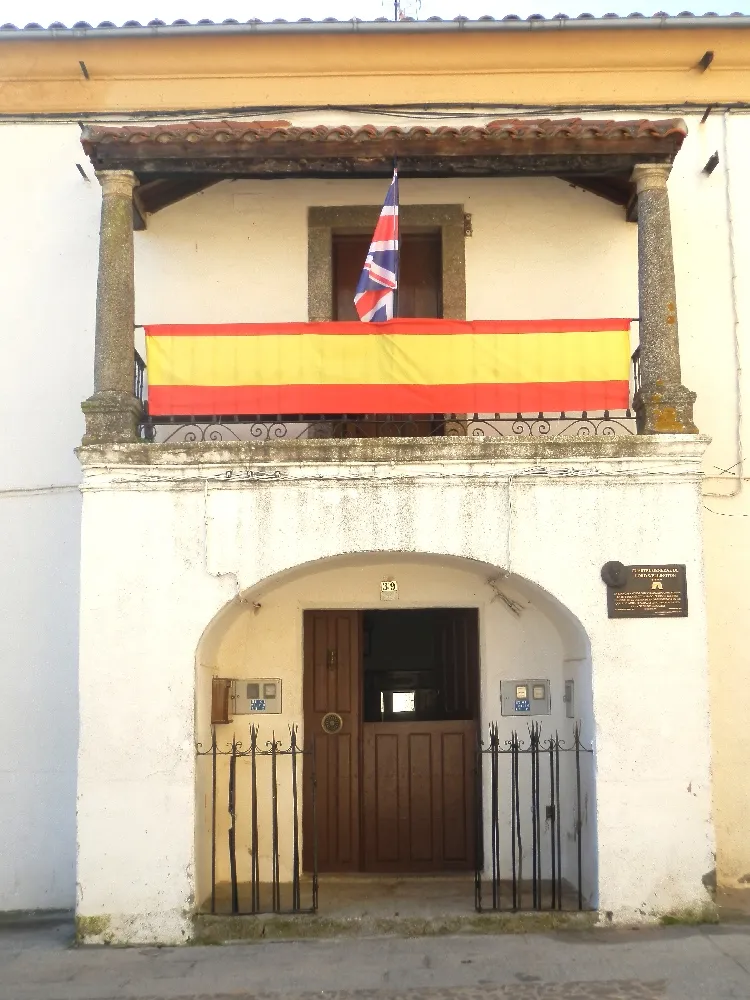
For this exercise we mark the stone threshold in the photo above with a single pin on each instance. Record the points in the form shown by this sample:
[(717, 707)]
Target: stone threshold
[(226, 929)]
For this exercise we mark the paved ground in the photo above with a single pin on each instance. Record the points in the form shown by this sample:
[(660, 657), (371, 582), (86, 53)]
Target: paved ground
[(37, 962)]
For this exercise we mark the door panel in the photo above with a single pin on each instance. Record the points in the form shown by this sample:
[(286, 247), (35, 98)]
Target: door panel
[(418, 795), (421, 807), (420, 276), (457, 771), (331, 684), (456, 652), (383, 797)]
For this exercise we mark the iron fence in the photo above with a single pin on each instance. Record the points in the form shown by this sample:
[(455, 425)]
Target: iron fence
[(139, 378), (290, 427), (636, 360), (251, 791), (537, 797), (535, 847)]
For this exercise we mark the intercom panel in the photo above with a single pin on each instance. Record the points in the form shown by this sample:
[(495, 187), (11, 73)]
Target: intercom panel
[(570, 699), (525, 697)]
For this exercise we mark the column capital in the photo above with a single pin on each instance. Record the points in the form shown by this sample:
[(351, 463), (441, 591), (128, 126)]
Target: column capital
[(117, 182), (651, 176)]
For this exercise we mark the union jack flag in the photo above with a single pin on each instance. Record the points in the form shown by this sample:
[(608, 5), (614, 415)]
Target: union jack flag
[(376, 289)]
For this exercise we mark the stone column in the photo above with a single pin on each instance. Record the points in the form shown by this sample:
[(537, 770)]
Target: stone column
[(662, 404), (112, 413)]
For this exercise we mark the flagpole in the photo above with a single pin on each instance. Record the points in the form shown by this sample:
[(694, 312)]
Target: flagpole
[(398, 245)]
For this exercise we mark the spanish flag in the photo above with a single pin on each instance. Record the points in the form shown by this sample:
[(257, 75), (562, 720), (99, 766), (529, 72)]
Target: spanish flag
[(404, 366)]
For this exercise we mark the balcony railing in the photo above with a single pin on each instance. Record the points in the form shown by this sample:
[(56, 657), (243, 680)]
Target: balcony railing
[(192, 428)]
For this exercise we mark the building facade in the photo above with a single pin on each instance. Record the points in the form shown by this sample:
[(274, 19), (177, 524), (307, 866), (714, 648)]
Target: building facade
[(305, 562)]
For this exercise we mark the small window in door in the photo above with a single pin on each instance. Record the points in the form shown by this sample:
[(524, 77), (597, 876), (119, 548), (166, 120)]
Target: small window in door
[(403, 702), (420, 292)]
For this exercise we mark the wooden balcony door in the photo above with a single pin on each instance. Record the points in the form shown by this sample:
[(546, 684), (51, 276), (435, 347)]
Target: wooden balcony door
[(420, 276), (395, 780)]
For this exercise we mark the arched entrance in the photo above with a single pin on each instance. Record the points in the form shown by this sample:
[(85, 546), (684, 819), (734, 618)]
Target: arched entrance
[(389, 670)]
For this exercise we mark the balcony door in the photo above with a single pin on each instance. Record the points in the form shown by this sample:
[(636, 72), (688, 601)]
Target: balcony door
[(420, 274)]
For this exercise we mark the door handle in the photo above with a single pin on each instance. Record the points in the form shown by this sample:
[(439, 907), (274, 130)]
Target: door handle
[(332, 659)]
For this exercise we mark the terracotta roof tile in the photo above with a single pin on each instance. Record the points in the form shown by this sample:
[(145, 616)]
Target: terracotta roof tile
[(194, 133), (657, 19)]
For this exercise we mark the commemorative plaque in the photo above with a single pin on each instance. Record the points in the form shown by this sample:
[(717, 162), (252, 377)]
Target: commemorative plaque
[(645, 591)]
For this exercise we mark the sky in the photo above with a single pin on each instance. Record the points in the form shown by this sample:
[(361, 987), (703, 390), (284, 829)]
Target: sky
[(68, 11)]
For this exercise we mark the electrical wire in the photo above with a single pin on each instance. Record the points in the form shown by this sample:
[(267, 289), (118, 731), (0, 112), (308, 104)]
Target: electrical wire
[(23, 491), (410, 111), (733, 285)]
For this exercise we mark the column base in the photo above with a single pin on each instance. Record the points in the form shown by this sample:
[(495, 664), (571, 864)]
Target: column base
[(664, 409), (111, 417)]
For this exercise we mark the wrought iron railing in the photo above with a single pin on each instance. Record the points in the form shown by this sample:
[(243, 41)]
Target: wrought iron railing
[(255, 855), (636, 362), (535, 841), (290, 427), (536, 795), (139, 378)]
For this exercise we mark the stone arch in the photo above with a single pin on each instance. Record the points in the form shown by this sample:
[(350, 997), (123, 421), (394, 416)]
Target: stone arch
[(524, 632)]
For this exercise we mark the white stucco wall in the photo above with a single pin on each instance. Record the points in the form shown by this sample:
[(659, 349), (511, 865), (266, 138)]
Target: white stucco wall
[(47, 291), (727, 510), (188, 541), (238, 251)]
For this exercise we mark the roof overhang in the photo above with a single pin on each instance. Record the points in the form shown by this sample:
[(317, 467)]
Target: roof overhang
[(174, 161), (382, 25)]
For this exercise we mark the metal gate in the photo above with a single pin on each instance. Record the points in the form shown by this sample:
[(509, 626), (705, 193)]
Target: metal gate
[(535, 849), (252, 809), (533, 799)]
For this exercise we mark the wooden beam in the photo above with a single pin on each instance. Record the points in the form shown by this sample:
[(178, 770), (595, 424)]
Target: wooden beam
[(429, 156), (194, 174), (139, 216), (381, 147), (154, 195), (616, 189)]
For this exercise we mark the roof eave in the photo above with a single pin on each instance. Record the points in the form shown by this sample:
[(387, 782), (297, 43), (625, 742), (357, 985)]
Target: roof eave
[(376, 27)]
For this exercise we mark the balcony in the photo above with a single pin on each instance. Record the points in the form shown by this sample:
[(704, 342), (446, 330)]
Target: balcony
[(146, 169), (195, 427)]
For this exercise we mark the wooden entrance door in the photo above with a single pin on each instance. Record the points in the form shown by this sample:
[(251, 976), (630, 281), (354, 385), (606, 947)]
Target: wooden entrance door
[(332, 688), (397, 794), (418, 790), (418, 778)]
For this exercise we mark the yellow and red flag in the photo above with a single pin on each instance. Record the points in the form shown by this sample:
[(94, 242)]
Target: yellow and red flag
[(405, 366)]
